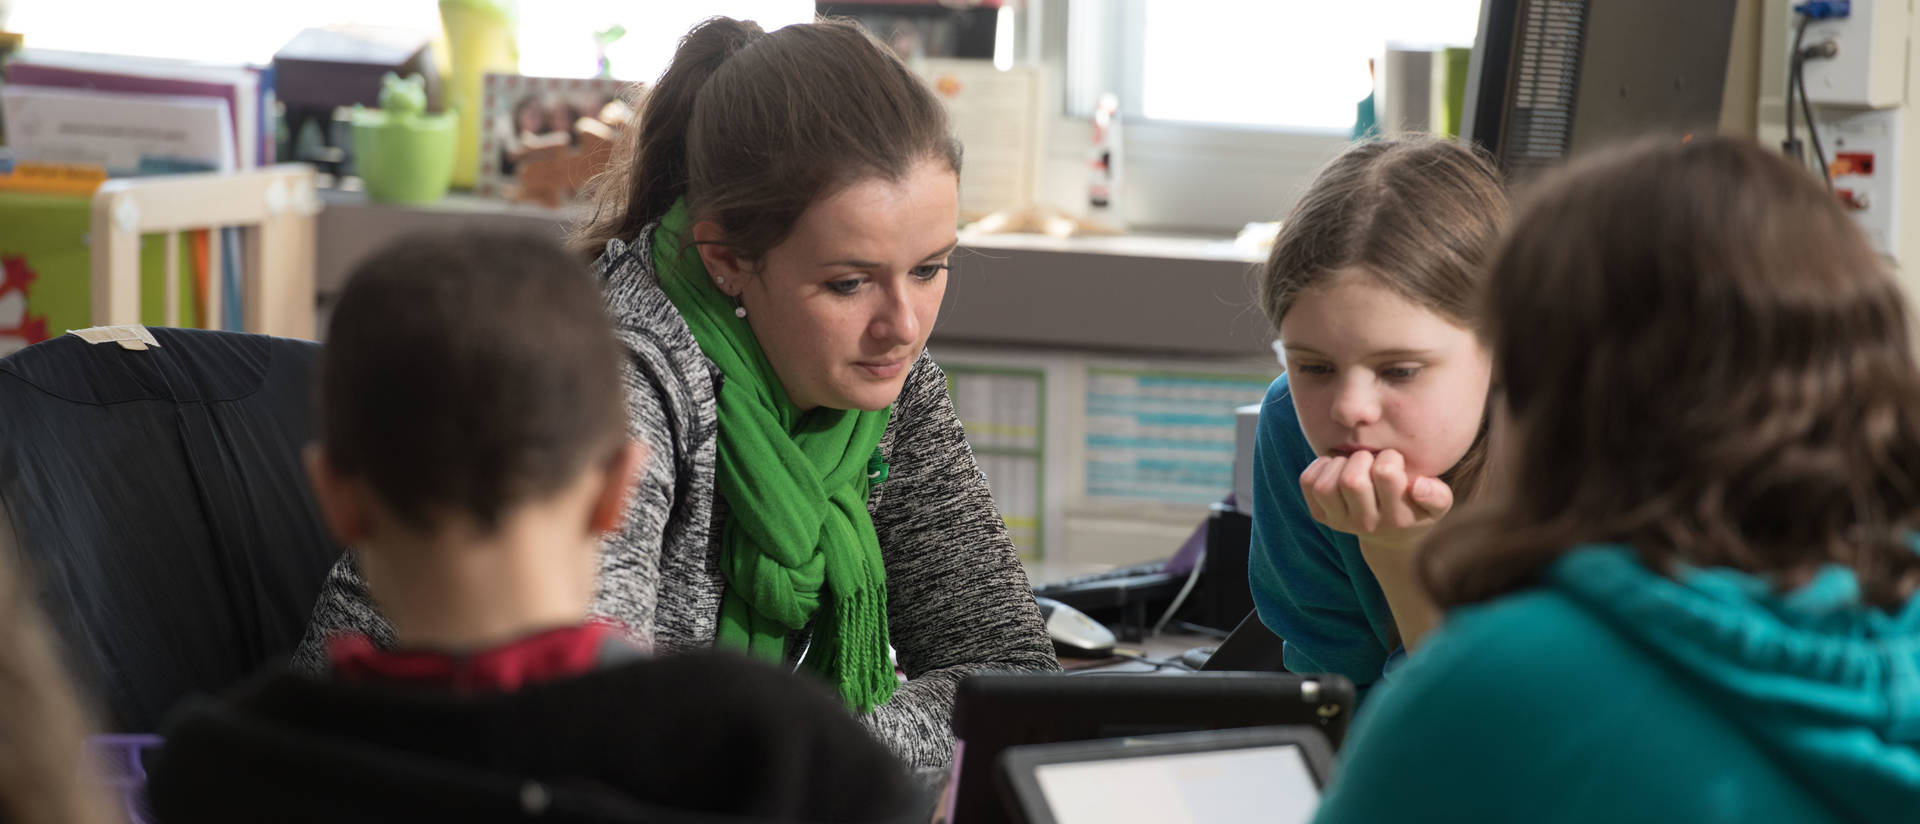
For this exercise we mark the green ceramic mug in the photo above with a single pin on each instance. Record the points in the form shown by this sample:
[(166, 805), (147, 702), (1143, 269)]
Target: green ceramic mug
[(404, 159)]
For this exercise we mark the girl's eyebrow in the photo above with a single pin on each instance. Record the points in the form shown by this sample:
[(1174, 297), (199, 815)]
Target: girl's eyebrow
[(1378, 353)]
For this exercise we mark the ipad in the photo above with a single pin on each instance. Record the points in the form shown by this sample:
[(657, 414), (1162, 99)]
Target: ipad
[(1270, 775), (994, 712)]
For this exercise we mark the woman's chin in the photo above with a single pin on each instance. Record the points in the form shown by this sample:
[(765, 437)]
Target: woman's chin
[(867, 398)]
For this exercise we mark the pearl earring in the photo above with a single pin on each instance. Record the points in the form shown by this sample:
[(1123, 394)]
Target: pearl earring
[(719, 281), (739, 311)]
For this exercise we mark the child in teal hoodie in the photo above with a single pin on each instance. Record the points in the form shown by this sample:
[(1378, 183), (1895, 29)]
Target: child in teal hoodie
[(1690, 594)]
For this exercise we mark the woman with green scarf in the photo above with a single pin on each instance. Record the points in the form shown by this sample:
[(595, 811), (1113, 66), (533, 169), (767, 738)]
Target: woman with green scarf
[(774, 244)]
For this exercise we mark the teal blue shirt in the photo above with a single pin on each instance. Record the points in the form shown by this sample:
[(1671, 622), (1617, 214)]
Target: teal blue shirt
[(1310, 584), (1612, 693)]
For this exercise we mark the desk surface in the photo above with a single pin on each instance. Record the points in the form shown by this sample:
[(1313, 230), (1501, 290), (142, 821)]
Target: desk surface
[(1164, 247), (1158, 653)]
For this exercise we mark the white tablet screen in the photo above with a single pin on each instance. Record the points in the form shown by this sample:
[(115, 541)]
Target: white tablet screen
[(1271, 785)]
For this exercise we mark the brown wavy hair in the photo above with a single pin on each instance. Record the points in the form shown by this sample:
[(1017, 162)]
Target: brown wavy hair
[(1420, 216), (1701, 359), (752, 127)]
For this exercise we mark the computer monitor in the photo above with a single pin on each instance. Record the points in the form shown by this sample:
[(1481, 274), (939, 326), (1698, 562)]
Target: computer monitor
[(994, 712), (1551, 78), (1264, 775)]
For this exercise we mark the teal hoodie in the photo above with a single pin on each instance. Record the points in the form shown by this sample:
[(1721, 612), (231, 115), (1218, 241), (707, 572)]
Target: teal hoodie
[(1612, 693)]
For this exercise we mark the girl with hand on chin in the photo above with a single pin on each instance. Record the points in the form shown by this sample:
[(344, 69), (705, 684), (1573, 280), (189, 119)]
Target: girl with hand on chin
[(1379, 425)]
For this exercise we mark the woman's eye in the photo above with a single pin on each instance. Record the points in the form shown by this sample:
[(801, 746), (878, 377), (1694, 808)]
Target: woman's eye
[(1400, 373), (929, 271), (844, 287), (1317, 369)]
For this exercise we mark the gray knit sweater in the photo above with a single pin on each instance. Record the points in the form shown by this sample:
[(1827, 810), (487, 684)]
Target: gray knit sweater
[(957, 600)]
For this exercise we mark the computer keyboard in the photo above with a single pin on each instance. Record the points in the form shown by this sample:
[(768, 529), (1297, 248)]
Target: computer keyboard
[(1121, 595), (1145, 568)]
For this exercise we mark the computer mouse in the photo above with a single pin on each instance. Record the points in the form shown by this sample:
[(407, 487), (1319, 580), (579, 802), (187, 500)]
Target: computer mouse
[(1074, 634)]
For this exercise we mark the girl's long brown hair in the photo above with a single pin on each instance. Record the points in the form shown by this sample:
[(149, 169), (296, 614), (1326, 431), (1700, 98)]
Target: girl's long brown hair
[(1702, 359)]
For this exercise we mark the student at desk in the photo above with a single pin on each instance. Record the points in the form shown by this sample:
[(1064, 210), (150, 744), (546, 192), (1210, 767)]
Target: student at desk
[(774, 248), (1379, 425), (1693, 597), (472, 449)]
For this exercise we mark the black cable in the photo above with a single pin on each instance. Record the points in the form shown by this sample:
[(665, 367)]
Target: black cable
[(1792, 146), (1136, 657), (1813, 133)]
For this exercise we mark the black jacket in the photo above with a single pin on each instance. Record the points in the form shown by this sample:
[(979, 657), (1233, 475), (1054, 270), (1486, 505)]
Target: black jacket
[(701, 737)]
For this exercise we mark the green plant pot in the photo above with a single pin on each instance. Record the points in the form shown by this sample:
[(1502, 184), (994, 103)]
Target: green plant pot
[(404, 161)]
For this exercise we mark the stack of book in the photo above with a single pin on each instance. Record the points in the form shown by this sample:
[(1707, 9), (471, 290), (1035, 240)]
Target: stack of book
[(73, 119), (137, 115)]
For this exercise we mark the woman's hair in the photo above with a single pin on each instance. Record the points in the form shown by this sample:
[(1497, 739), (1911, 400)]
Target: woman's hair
[(1418, 216), (1701, 359), (44, 773), (753, 127)]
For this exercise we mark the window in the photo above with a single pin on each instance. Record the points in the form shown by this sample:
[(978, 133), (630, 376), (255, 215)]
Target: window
[(1284, 64), (556, 36), (222, 31)]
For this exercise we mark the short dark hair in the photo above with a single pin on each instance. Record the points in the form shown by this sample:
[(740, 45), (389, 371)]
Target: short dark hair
[(752, 127), (468, 372), (1704, 360)]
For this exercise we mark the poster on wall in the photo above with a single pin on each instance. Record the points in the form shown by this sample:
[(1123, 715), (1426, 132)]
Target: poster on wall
[(1003, 410), (996, 116), (1163, 437)]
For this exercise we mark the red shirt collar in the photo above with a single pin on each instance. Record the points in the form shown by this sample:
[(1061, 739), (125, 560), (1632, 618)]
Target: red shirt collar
[(554, 654)]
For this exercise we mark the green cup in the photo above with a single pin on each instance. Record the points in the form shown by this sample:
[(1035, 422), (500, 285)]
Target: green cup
[(404, 159)]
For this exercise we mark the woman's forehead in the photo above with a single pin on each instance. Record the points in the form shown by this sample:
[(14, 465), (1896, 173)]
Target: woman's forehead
[(879, 220)]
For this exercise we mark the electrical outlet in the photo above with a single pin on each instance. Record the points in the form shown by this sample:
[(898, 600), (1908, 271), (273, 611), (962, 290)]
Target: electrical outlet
[(1865, 170), (1870, 67)]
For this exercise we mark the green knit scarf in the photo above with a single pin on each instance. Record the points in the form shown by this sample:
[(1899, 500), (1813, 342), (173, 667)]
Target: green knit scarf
[(798, 542)]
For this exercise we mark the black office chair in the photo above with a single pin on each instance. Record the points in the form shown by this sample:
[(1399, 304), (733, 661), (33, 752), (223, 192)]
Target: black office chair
[(1251, 647), (157, 502)]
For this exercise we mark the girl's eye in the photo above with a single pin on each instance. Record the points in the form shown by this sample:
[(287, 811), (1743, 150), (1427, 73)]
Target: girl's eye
[(1316, 369), (1400, 373), (930, 271), (844, 287)]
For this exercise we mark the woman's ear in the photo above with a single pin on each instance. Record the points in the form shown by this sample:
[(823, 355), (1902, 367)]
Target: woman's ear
[(724, 265)]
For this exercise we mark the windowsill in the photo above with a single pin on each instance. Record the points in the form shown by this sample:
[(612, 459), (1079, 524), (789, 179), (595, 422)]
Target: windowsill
[(455, 203), (1144, 244), (1141, 244)]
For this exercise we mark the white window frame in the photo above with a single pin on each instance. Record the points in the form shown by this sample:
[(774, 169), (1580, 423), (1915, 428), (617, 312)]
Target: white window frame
[(1180, 176)]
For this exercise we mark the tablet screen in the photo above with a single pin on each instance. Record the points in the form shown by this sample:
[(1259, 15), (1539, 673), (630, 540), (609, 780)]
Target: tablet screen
[(1271, 785)]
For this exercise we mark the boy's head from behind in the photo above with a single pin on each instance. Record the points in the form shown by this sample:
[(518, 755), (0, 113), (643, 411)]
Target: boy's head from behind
[(469, 382)]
